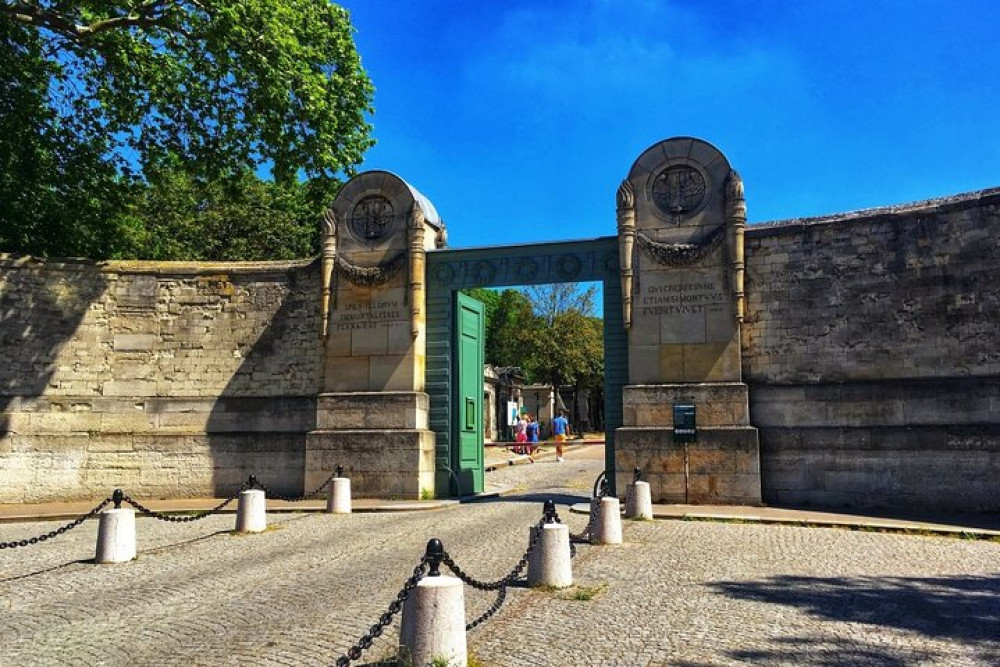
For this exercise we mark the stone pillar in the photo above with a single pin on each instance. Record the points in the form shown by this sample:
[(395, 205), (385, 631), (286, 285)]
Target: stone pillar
[(251, 512), (433, 625), (607, 527), (116, 536), (640, 503), (550, 563), (685, 208), (373, 410), (338, 499)]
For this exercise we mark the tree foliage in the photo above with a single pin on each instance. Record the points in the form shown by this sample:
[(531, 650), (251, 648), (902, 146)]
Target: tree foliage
[(110, 107), (549, 331)]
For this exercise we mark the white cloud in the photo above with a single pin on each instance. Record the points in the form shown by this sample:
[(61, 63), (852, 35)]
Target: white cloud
[(607, 57)]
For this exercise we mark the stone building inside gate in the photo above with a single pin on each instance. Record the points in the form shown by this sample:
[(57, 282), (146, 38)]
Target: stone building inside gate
[(850, 360)]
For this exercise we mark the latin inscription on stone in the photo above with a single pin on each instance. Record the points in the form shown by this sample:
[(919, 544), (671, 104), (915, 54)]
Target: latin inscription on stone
[(681, 298), (684, 307), (366, 315)]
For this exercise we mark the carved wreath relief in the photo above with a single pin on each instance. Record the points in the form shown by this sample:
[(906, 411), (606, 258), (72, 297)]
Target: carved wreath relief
[(371, 218), (678, 189)]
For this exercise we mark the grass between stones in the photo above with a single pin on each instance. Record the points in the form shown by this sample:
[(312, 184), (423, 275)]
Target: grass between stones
[(393, 660), (270, 528), (576, 593)]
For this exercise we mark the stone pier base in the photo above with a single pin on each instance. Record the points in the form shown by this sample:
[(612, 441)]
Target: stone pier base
[(380, 438), (722, 467)]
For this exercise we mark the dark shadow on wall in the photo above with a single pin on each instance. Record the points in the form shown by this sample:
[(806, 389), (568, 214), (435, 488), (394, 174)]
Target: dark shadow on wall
[(42, 304), (258, 424), (954, 608)]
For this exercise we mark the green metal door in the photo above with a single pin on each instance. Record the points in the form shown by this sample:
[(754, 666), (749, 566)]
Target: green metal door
[(469, 330)]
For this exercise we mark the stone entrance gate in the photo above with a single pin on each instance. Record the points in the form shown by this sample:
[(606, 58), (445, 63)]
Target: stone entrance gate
[(859, 367), (537, 264)]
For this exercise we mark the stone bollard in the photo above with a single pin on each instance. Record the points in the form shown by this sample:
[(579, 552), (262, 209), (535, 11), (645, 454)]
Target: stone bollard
[(550, 564), (608, 523), (116, 533), (251, 512), (338, 497), (640, 502), (433, 628)]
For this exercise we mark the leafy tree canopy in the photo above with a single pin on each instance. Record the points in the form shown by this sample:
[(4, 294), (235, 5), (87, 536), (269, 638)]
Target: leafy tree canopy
[(549, 331), (110, 107)]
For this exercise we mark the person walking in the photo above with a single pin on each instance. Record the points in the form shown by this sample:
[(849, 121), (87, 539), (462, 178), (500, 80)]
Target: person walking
[(520, 434), (561, 431), (532, 433)]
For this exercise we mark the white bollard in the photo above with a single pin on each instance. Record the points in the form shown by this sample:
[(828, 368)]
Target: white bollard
[(608, 524), (550, 563), (640, 502), (116, 536), (433, 628), (338, 497), (251, 512)]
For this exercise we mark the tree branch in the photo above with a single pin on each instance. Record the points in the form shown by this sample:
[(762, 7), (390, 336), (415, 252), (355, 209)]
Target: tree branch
[(145, 15)]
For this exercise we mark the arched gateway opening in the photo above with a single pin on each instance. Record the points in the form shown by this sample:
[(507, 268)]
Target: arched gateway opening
[(454, 372)]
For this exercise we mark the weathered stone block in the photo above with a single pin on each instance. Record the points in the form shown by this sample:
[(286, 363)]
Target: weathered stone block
[(380, 463), (718, 468)]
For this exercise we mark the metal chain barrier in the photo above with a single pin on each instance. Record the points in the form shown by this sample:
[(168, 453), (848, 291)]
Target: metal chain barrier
[(339, 472), (433, 559), (556, 519), (180, 519), (58, 531), (500, 585), (385, 619)]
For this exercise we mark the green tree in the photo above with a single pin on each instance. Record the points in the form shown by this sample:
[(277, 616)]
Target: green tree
[(550, 301), (549, 331), (100, 100), (510, 325)]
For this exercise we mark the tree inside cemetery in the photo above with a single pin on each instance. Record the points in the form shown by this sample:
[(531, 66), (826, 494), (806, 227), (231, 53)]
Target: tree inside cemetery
[(549, 331), (140, 128)]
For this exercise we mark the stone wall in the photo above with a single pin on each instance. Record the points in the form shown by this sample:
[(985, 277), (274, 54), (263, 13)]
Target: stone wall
[(872, 351), (164, 378)]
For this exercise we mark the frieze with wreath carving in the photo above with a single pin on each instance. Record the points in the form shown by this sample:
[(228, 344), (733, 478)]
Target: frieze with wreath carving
[(371, 276), (681, 254)]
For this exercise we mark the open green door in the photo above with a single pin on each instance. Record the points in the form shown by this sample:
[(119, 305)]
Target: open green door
[(470, 334)]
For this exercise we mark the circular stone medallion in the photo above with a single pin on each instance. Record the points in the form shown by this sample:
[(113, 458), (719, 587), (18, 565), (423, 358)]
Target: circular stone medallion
[(371, 219), (678, 189)]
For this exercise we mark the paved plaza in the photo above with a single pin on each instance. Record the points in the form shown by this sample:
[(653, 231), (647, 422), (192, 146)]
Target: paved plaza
[(677, 593)]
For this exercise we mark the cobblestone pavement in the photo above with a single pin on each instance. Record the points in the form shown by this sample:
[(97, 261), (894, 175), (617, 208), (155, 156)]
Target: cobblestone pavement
[(678, 593)]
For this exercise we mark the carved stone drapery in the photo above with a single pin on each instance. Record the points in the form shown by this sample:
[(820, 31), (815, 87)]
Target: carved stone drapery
[(416, 268), (329, 255), (736, 217), (681, 254), (371, 276), (626, 240)]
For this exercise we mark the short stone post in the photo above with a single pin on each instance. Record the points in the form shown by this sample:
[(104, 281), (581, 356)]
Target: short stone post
[(338, 496), (433, 626), (116, 533), (550, 563), (640, 501), (251, 510), (608, 523)]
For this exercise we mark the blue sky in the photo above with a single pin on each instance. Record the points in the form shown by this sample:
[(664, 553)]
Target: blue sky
[(519, 119)]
